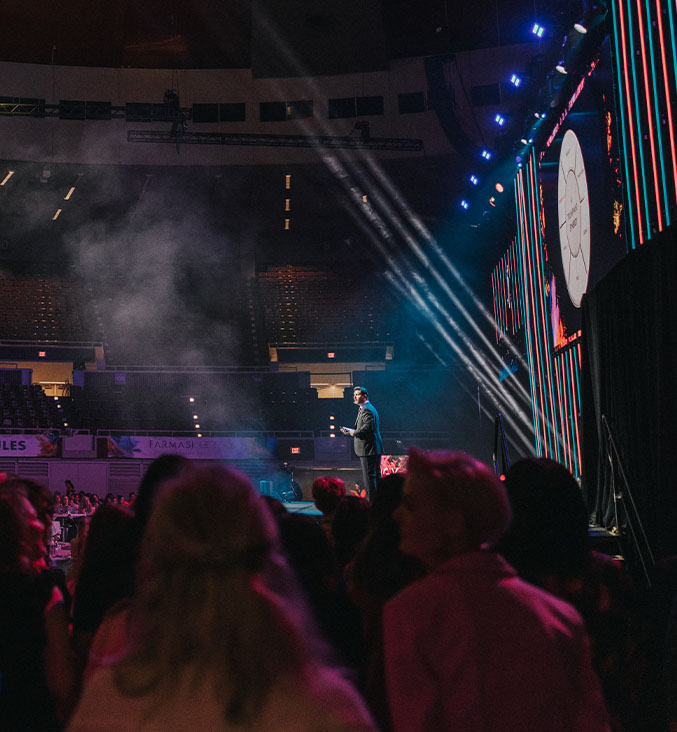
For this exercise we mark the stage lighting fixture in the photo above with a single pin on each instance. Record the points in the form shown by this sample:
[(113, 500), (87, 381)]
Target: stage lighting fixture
[(580, 28), (499, 119), (474, 180), (561, 68), (10, 173), (492, 201), (486, 154), (499, 187), (515, 80), (538, 30), (465, 204), (57, 214), (523, 140)]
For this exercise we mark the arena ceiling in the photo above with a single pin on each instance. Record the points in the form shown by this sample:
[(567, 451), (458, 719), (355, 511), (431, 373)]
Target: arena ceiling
[(223, 33)]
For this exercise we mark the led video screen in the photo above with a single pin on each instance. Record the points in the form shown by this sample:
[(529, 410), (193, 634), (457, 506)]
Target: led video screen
[(581, 200)]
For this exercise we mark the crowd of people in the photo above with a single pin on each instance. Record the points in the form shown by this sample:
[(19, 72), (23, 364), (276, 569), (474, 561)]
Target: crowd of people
[(448, 600)]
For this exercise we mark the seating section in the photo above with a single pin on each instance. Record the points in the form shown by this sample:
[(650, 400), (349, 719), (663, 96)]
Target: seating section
[(311, 304), (29, 407), (44, 307)]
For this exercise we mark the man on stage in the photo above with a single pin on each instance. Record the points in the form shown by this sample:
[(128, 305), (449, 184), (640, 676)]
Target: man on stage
[(366, 439)]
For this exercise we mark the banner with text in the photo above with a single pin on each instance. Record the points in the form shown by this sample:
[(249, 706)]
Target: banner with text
[(44, 445), (194, 448)]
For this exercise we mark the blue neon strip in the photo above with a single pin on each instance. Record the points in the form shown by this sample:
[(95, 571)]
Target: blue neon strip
[(661, 161), (527, 316), (542, 329), (624, 135), (640, 135), (572, 416), (577, 368), (547, 329), (534, 316), (672, 37), (499, 301), (521, 215), (496, 313), (562, 419)]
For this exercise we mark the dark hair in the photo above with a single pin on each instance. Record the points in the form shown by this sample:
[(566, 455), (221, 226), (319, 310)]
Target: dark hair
[(349, 527), (104, 576), (13, 530), (545, 498), (362, 391), (161, 470)]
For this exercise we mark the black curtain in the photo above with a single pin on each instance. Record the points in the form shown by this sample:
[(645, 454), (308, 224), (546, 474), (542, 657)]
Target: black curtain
[(629, 375)]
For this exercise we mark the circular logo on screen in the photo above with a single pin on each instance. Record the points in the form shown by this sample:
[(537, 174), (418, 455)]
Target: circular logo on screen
[(574, 217)]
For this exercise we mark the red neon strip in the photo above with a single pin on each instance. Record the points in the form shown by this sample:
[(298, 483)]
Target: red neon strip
[(503, 295), (647, 96), (514, 262), (626, 77), (511, 287), (667, 95), (527, 303), (567, 429), (577, 431), (493, 289), (536, 350), (499, 295), (544, 326), (561, 414)]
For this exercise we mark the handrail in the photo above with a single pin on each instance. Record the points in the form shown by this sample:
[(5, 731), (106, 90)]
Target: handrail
[(499, 431), (624, 498)]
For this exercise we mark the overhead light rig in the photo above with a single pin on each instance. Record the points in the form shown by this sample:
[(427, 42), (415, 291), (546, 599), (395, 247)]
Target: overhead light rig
[(262, 140)]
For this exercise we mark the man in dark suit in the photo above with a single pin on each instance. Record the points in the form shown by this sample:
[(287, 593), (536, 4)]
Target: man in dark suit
[(366, 439)]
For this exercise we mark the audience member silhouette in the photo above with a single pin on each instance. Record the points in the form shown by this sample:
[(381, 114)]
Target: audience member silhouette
[(37, 688), (328, 491), (216, 638), (548, 544), (349, 526), (378, 572), (313, 562), (471, 646), (104, 577)]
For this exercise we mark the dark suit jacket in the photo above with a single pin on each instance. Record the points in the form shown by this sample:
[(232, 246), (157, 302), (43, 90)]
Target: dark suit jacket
[(367, 438)]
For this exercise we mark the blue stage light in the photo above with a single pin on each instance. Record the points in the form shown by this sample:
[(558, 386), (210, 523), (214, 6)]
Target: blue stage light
[(515, 80), (538, 30), (474, 180), (486, 154), (500, 120), (465, 204)]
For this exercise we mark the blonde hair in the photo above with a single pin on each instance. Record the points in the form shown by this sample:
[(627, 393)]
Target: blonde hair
[(211, 597)]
